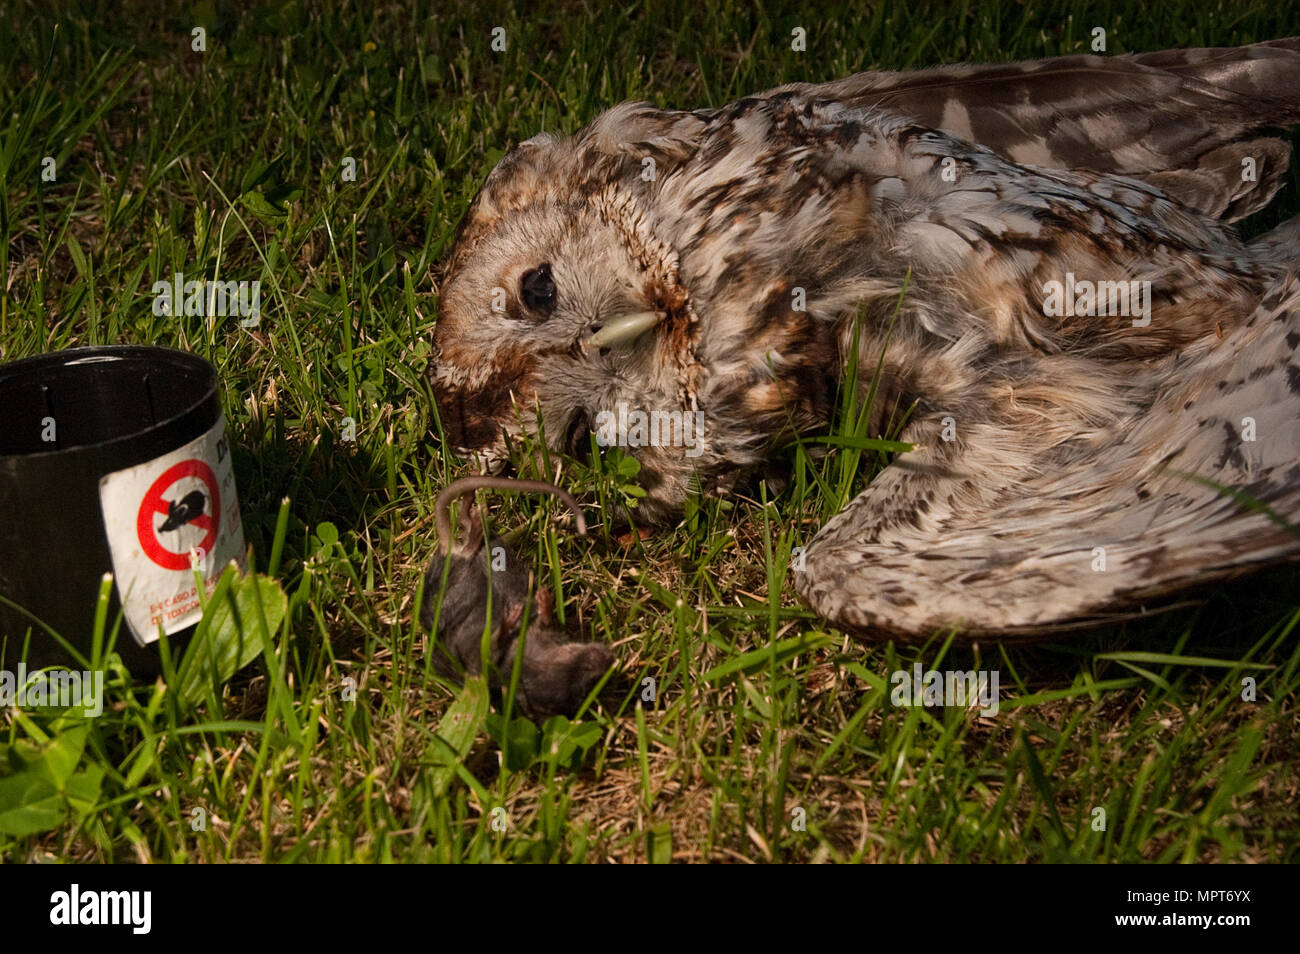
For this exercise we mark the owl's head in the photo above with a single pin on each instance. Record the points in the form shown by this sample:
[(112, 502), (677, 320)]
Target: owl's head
[(562, 310)]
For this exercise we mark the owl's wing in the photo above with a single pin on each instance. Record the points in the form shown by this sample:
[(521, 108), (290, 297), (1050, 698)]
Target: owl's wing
[(1083, 495), (1184, 120)]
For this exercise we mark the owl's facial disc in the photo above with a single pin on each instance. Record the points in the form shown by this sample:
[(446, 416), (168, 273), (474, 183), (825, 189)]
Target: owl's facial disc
[(564, 314), (549, 312)]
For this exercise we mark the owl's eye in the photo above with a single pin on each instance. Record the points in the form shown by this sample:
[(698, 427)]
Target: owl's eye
[(537, 289)]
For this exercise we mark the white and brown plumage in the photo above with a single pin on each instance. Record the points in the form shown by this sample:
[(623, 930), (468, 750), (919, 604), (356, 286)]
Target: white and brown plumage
[(986, 183)]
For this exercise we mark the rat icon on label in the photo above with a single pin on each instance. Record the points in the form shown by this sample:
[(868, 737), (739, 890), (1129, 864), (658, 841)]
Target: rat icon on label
[(182, 512)]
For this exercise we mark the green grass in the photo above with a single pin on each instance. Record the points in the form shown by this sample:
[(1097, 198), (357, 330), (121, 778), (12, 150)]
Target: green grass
[(230, 162)]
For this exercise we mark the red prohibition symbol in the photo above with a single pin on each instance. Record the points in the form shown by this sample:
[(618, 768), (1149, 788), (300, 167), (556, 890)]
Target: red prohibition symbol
[(153, 504)]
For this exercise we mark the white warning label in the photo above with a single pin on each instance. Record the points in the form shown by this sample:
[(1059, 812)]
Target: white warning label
[(165, 520)]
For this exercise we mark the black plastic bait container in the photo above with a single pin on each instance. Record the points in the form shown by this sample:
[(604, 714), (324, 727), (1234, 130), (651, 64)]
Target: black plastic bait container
[(112, 460)]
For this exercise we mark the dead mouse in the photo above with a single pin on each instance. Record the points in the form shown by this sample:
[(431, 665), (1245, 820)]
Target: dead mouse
[(557, 673)]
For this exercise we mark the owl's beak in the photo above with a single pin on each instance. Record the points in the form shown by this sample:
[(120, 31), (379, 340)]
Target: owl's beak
[(623, 331)]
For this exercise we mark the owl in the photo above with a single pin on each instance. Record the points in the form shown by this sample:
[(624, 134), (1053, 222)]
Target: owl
[(1030, 266)]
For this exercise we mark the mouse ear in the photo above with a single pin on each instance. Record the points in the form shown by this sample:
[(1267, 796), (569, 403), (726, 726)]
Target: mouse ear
[(474, 534), (545, 605), (514, 615)]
